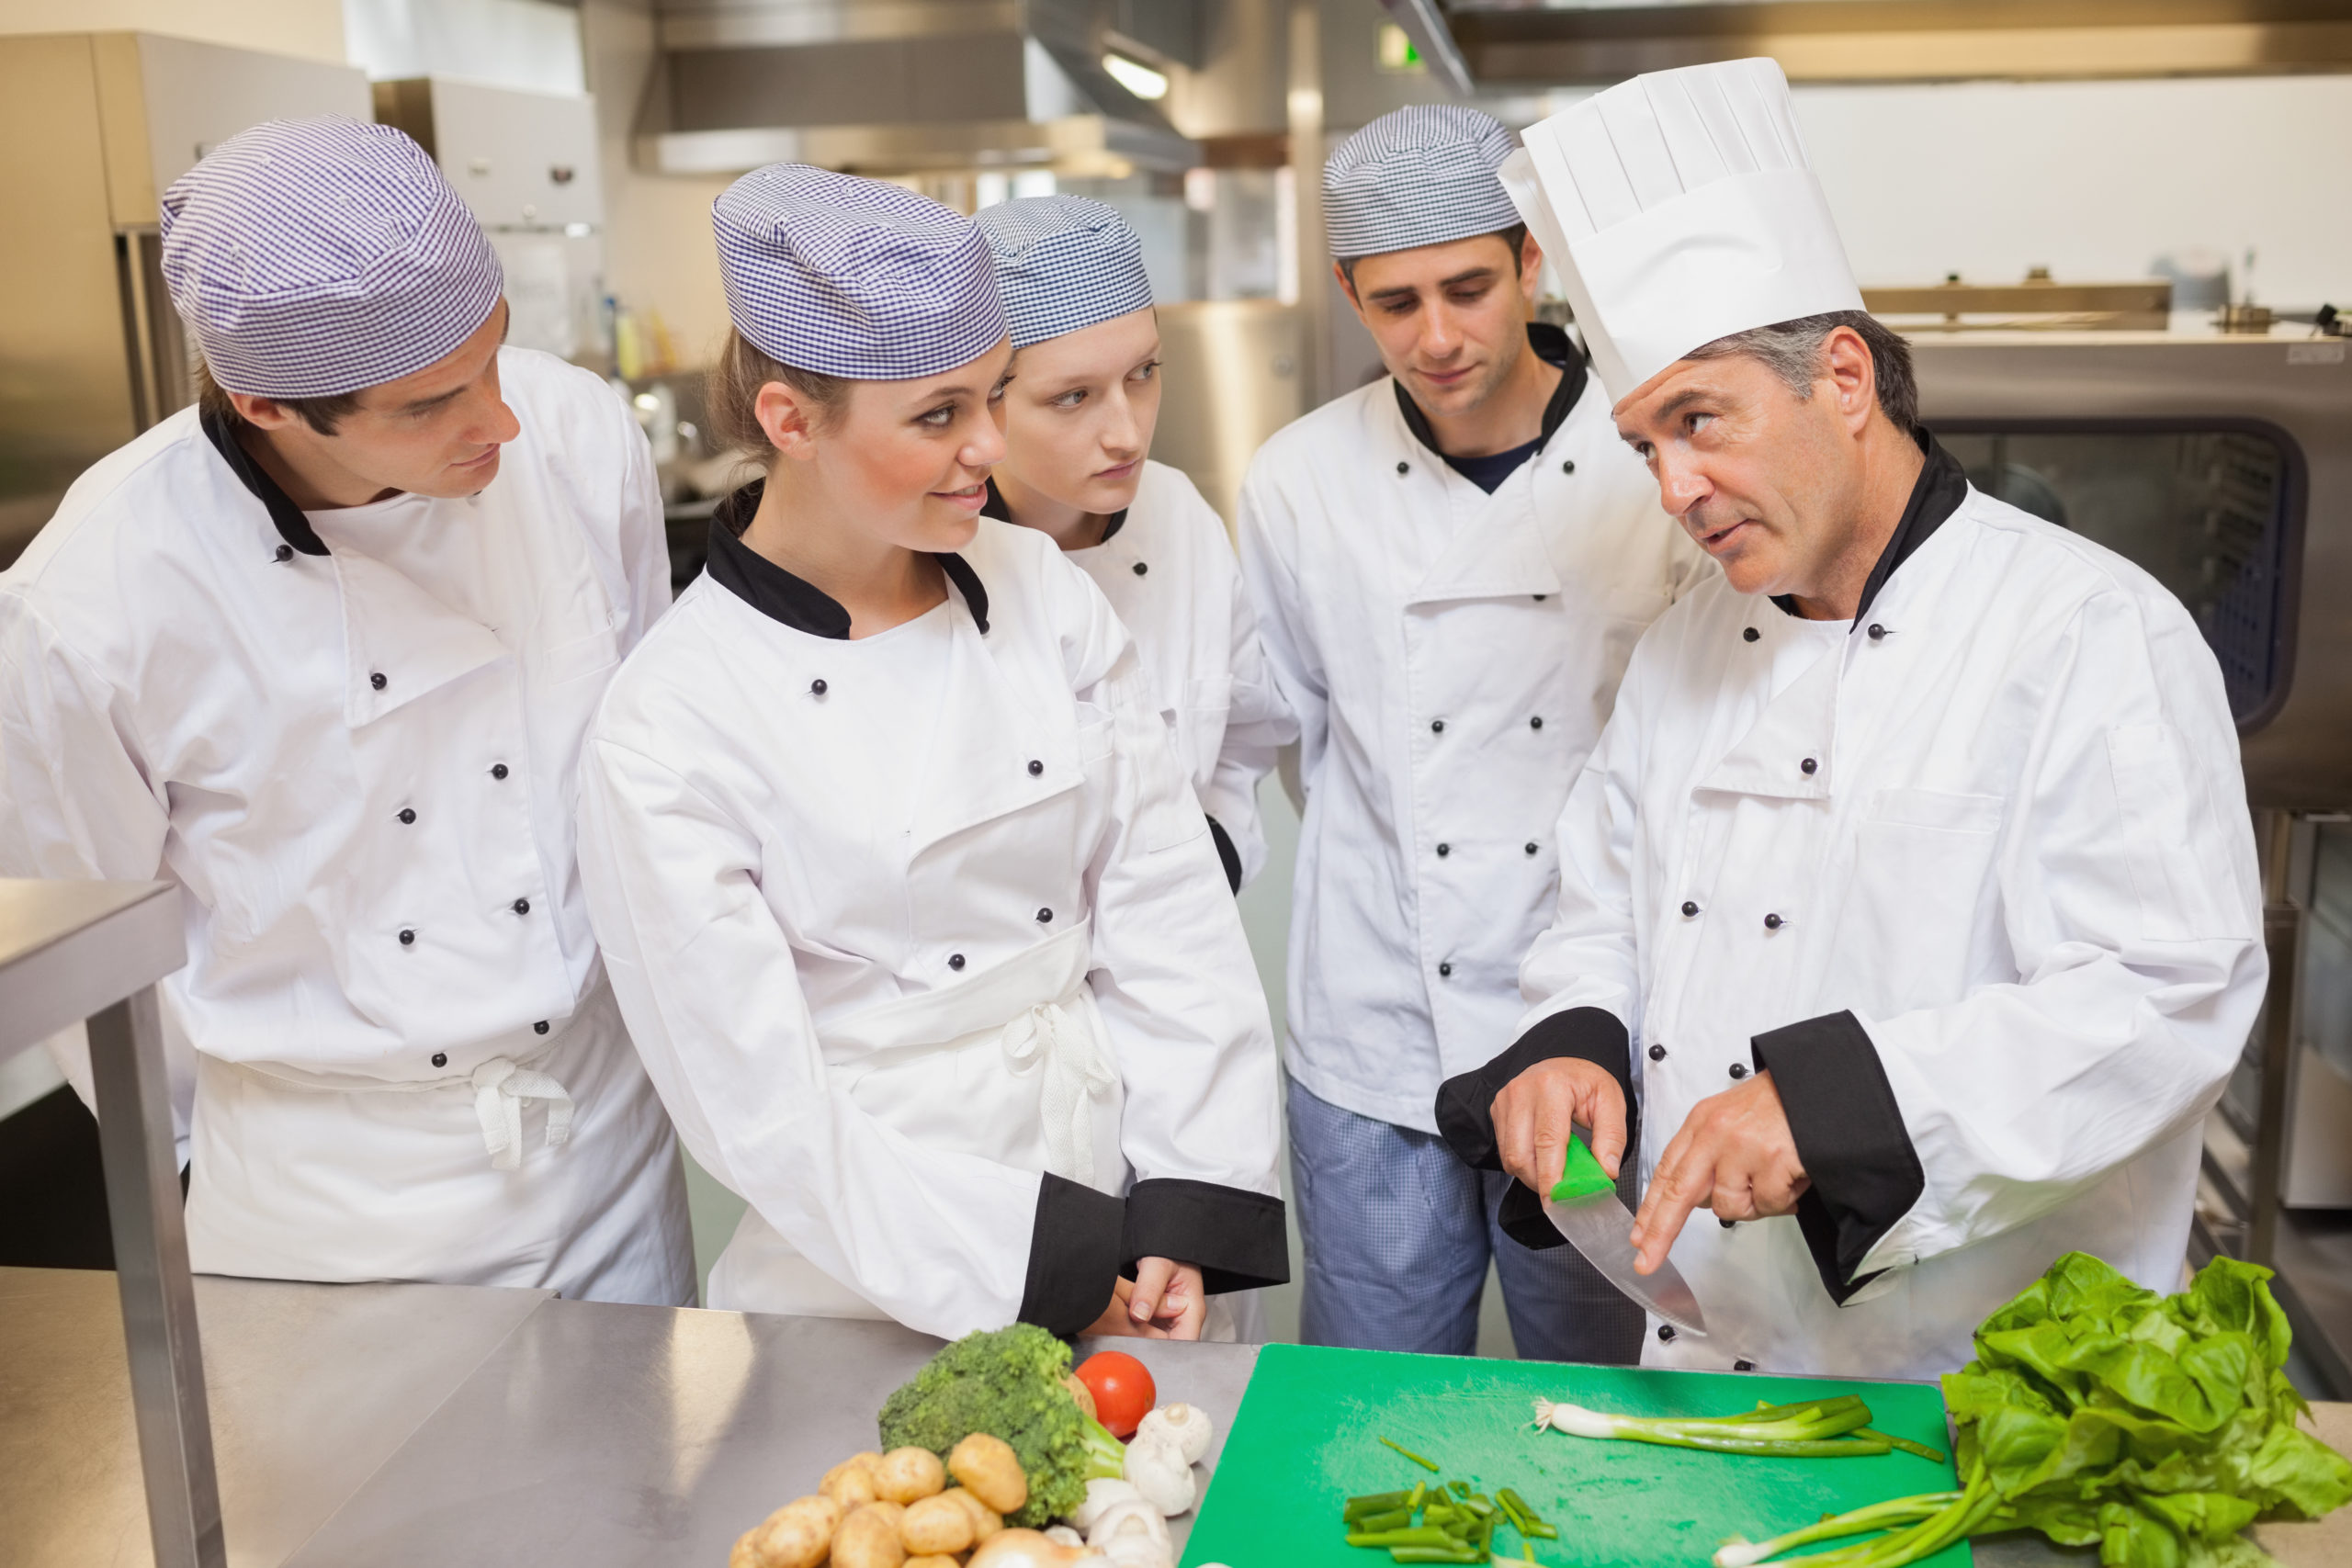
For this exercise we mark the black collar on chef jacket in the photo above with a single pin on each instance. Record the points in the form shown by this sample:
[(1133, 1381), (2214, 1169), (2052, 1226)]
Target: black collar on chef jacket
[(292, 527), (1941, 486), (996, 509), (797, 603), (1551, 345)]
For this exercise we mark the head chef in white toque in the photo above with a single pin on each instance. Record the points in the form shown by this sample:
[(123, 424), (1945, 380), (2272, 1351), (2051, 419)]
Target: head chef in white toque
[(1902, 696), (1680, 208), (314, 257)]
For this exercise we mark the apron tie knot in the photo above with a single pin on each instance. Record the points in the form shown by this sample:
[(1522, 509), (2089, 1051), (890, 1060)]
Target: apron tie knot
[(500, 1089), (1075, 1072)]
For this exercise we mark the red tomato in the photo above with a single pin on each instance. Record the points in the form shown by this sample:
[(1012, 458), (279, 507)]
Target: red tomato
[(1122, 1390)]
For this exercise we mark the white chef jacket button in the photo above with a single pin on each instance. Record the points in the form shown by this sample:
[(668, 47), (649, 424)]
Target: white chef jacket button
[(540, 1027), (1536, 722), (1437, 726), (1877, 632), (408, 814), (1568, 466), (408, 939), (377, 680), (1443, 850), (955, 961), (283, 552), (1445, 970), (1665, 1332), (1657, 1053), (1740, 1069), (440, 1058), (1751, 634), (1036, 767), (1403, 467), (498, 770), (1809, 766), (816, 687), (1141, 569), (1743, 1366), (1771, 923), (1045, 916), (521, 906), (1689, 910), (1531, 846)]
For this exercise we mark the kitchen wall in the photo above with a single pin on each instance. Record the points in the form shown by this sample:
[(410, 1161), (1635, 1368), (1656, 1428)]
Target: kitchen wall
[(312, 29)]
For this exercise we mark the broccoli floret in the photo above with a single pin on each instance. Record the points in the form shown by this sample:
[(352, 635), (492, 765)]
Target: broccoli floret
[(1009, 1383)]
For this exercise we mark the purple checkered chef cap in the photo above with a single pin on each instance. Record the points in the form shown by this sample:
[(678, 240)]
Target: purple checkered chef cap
[(853, 278), (313, 257)]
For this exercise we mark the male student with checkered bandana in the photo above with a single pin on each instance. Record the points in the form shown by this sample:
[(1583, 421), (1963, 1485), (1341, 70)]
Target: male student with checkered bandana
[(1450, 567)]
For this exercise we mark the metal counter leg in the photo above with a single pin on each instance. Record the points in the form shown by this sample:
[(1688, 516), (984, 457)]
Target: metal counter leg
[(158, 1297)]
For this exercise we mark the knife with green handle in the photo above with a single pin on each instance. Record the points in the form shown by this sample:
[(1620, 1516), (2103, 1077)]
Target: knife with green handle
[(1584, 1208)]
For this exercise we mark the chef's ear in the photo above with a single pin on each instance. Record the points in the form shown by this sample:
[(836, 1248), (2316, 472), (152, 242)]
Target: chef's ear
[(790, 420), (1852, 375)]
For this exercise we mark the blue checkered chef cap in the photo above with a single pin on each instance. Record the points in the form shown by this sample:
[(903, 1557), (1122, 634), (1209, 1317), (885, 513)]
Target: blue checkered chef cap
[(852, 277), (1423, 175), (1063, 262), (313, 257)]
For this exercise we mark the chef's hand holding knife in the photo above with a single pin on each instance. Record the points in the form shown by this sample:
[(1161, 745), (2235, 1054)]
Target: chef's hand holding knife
[(1734, 1153)]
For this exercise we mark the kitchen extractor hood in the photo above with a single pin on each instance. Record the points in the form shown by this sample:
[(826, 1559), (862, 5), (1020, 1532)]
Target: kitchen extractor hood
[(902, 87)]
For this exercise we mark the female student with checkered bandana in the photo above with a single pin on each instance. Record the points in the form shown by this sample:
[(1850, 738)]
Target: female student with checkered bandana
[(918, 926)]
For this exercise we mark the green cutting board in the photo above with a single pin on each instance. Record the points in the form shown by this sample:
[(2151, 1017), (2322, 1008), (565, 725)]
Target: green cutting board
[(1307, 1438)]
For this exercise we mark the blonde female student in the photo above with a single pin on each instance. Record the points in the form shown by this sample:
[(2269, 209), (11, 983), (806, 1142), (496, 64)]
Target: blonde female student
[(913, 917), (1078, 413)]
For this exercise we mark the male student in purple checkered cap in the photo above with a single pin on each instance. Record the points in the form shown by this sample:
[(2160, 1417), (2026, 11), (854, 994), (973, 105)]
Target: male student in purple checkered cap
[(1450, 567), (321, 650)]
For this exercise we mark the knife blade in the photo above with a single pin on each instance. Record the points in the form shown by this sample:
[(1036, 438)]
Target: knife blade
[(1599, 1226)]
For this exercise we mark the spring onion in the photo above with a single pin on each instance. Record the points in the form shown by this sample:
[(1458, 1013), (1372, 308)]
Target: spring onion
[(1814, 1428), (1429, 1465)]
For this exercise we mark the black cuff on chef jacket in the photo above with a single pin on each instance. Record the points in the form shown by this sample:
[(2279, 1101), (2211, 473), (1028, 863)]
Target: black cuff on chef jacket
[(1466, 1104), (1073, 1255), (1861, 1171), (1235, 1237), (1226, 855)]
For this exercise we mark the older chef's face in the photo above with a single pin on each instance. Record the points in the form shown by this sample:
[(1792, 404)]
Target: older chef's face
[(907, 461), (1079, 413), (435, 432), (1765, 480), (1451, 320)]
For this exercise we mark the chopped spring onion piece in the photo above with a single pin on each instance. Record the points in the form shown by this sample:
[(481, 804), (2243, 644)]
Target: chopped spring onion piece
[(1374, 1503), (1429, 1465), (1904, 1444)]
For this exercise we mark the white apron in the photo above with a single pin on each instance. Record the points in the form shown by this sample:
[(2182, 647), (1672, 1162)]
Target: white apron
[(1013, 1066), (551, 1166)]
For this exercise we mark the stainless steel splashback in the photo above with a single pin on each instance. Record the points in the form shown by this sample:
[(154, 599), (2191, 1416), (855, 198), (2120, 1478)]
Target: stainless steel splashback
[(1231, 370), (2224, 466)]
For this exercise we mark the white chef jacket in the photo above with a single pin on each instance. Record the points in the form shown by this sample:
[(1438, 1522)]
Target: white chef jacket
[(785, 831), (1972, 875), (357, 753), (1450, 656), (1169, 569)]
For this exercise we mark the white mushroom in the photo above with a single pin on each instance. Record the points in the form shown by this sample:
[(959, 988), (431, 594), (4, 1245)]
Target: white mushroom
[(1062, 1535), (1131, 1516), (1140, 1552), (1187, 1424), (1157, 1467), (1100, 1492)]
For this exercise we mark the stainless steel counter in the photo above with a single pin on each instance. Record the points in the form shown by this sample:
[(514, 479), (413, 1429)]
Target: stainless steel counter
[(360, 1426), (313, 1388)]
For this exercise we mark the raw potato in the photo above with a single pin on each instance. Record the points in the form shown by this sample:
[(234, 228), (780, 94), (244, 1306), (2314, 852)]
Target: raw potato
[(986, 1522), (851, 1482), (870, 1539), (1023, 1549), (795, 1536), (906, 1474), (937, 1525), (932, 1563), (990, 1471)]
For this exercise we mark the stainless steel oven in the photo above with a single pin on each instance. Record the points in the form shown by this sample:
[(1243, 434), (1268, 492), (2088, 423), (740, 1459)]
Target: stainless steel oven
[(2222, 464)]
